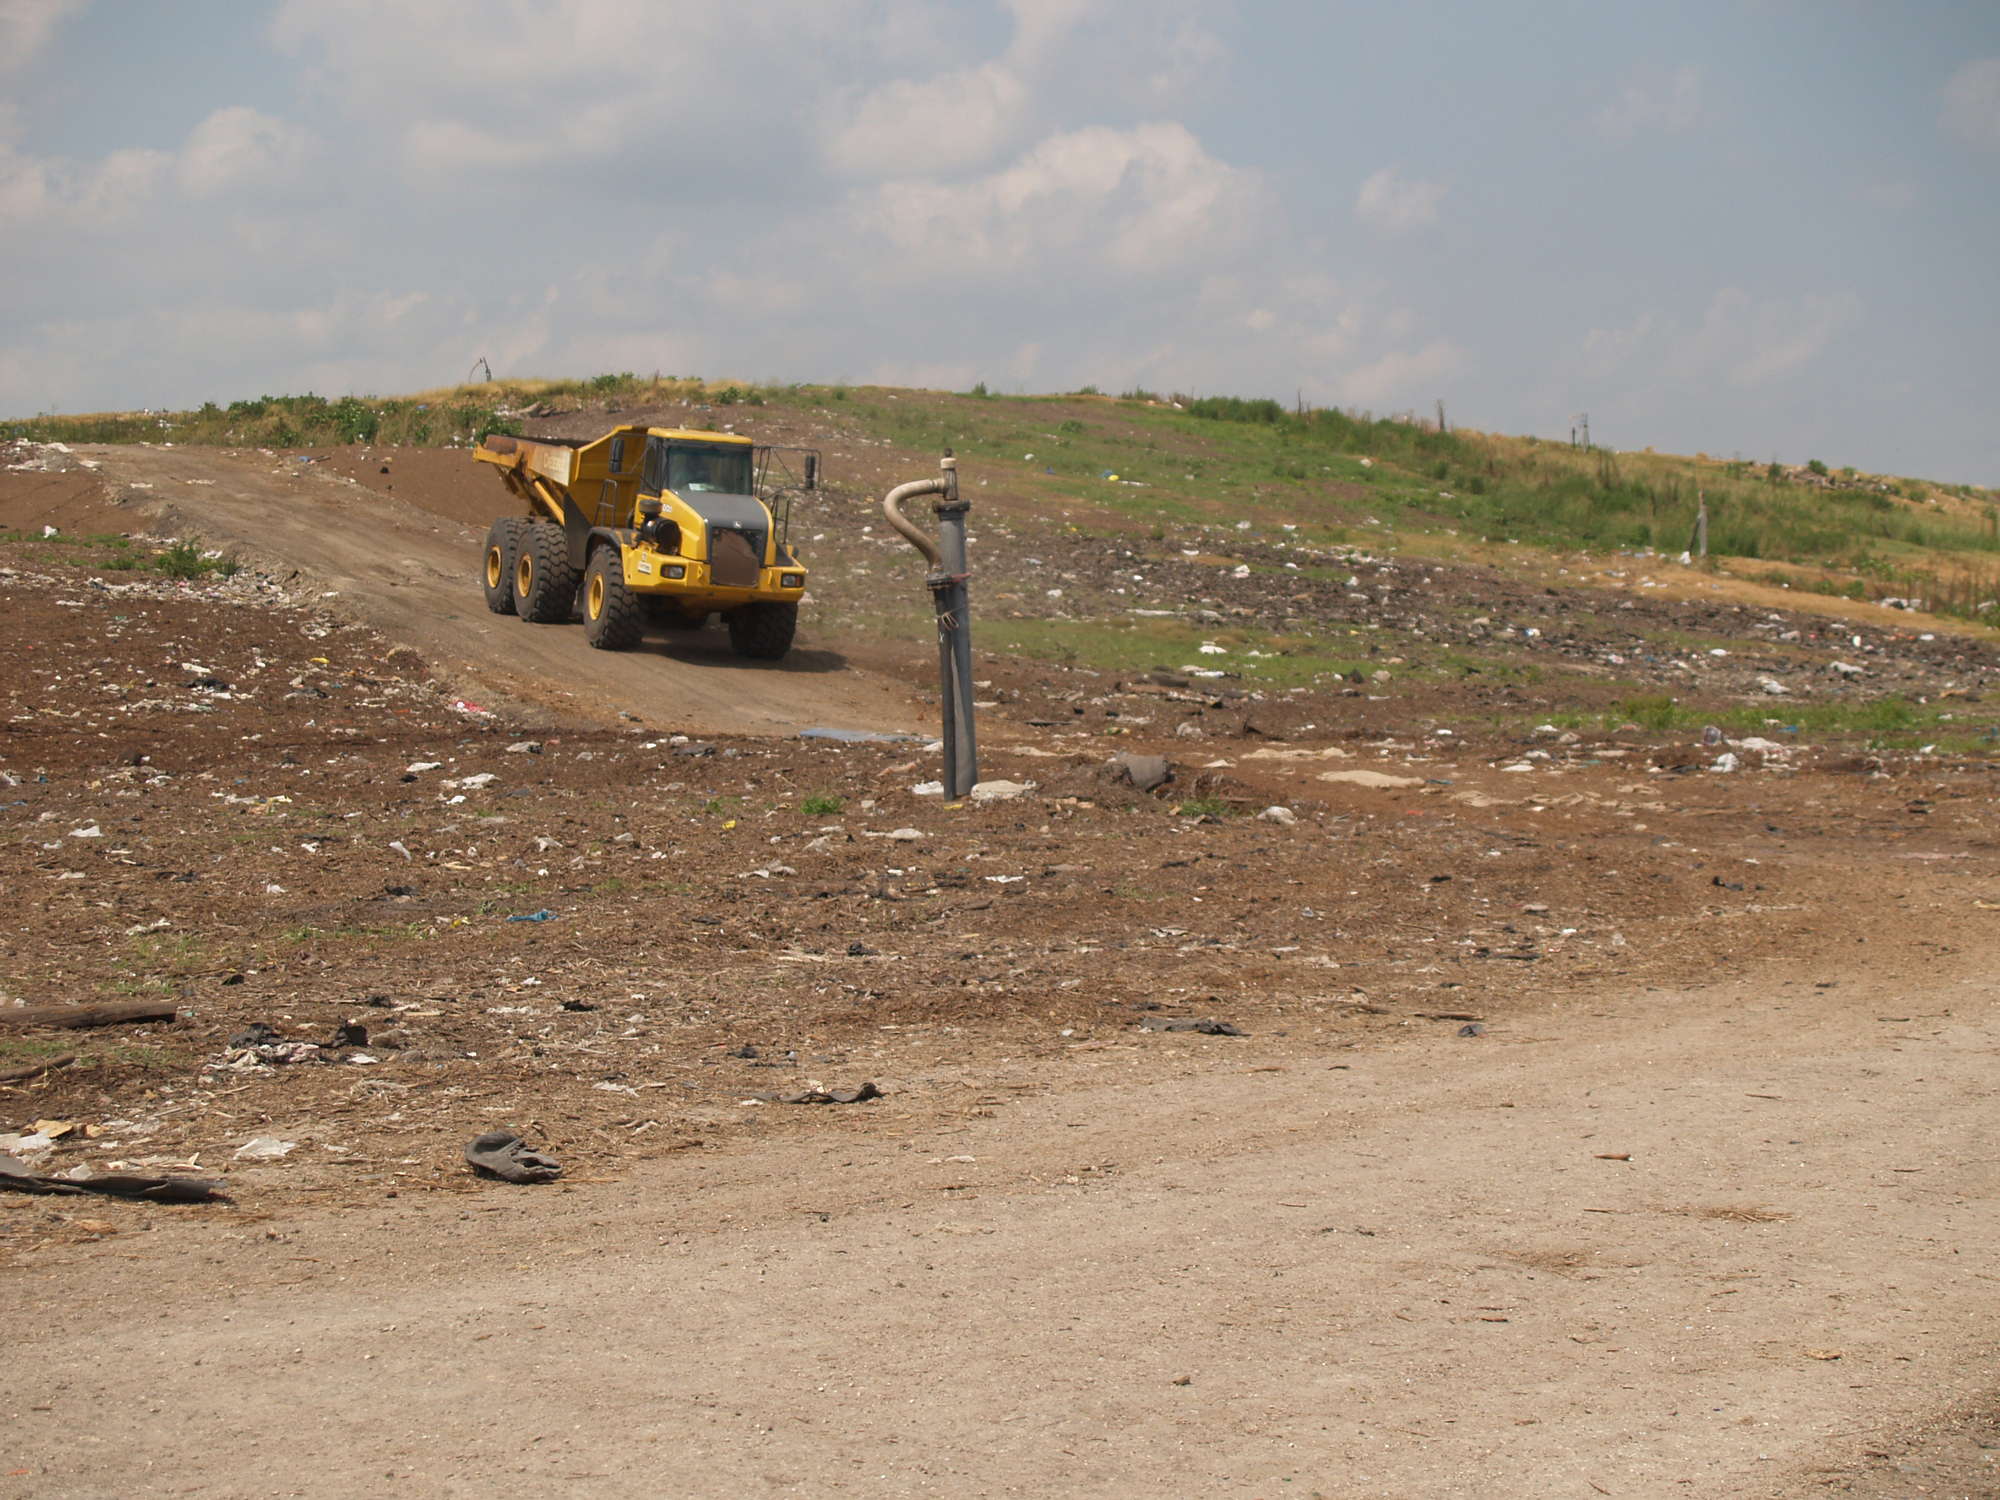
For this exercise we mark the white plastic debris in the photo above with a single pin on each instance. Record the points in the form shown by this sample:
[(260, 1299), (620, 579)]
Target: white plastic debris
[(1725, 762), (1275, 814), (928, 789), (1000, 791), (265, 1148)]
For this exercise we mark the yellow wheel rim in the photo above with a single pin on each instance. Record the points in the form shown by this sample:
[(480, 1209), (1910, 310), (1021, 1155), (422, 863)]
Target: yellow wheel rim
[(496, 567), (524, 575), (597, 596)]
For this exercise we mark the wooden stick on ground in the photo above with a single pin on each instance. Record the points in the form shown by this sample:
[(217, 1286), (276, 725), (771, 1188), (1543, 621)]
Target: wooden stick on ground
[(36, 1070), (113, 1013)]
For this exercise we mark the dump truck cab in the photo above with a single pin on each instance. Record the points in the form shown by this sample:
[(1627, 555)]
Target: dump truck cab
[(646, 524)]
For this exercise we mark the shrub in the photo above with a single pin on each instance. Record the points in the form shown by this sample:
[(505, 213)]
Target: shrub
[(820, 805)]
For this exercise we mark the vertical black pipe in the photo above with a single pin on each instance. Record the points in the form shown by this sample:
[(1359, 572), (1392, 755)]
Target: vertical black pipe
[(954, 610)]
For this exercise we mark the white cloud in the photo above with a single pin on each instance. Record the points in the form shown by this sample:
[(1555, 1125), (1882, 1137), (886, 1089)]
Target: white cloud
[(1403, 375), (238, 150), (1740, 340), (941, 124), (1670, 105), (1388, 204), (28, 28), (1123, 201), (1972, 103)]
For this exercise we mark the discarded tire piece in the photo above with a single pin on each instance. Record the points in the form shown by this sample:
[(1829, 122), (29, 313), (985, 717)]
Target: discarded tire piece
[(503, 1154)]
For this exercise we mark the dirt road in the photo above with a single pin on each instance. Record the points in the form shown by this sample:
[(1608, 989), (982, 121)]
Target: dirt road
[(411, 572), (1426, 1271), (1706, 1210)]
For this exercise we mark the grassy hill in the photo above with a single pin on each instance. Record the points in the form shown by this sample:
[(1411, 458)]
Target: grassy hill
[(1159, 461)]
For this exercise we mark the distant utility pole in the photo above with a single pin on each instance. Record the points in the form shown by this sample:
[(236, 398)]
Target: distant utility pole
[(1579, 424), (1701, 523), (1441, 426)]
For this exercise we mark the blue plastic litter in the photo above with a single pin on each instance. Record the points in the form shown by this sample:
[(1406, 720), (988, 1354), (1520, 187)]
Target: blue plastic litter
[(857, 736), (544, 915)]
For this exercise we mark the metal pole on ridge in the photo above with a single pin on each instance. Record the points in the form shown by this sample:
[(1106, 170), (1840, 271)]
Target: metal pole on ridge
[(947, 581)]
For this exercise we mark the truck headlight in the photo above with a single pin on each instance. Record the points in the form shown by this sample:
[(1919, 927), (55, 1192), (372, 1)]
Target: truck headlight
[(792, 580), (676, 570)]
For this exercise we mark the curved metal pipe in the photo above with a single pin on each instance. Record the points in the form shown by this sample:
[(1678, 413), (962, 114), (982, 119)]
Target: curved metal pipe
[(891, 507)]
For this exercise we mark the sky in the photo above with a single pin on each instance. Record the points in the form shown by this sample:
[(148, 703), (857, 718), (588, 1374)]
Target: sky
[(1758, 227)]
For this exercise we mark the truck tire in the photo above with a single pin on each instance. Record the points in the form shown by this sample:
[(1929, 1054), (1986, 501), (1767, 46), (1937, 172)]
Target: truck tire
[(544, 582), (613, 617), (503, 542), (762, 632)]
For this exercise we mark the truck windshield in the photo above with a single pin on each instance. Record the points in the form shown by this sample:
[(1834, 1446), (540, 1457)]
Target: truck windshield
[(714, 471)]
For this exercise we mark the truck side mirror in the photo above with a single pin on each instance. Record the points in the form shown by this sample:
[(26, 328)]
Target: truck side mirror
[(812, 471)]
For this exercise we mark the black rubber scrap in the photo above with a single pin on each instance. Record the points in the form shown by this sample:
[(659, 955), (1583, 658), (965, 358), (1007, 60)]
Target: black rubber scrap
[(16, 1175), (857, 1095), (503, 1154), (1206, 1025)]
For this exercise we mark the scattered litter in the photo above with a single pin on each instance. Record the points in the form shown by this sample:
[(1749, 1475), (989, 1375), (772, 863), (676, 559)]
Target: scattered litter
[(859, 949), (503, 1154), (265, 1148), (544, 915), (418, 767), (928, 789), (857, 736), (896, 836), (1280, 815), (1472, 1028), (694, 750), (1206, 1025), (525, 747), (1725, 762)]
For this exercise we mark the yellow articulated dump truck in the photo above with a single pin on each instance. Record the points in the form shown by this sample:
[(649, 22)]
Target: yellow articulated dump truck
[(650, 524)]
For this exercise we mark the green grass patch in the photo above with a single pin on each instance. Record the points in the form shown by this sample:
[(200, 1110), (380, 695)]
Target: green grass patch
[(1205, 807), (820, 805)]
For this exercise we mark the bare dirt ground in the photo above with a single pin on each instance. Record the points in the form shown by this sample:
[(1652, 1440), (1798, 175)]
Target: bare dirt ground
[(1703, 1204), (401, 568)]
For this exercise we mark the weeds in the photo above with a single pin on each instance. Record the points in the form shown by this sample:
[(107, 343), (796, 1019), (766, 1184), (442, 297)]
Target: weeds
[(186, 560), (820, 805), (1203, 807)]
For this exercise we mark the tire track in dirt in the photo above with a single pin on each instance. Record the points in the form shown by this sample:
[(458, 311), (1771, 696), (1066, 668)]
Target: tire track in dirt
[(412, 575)]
